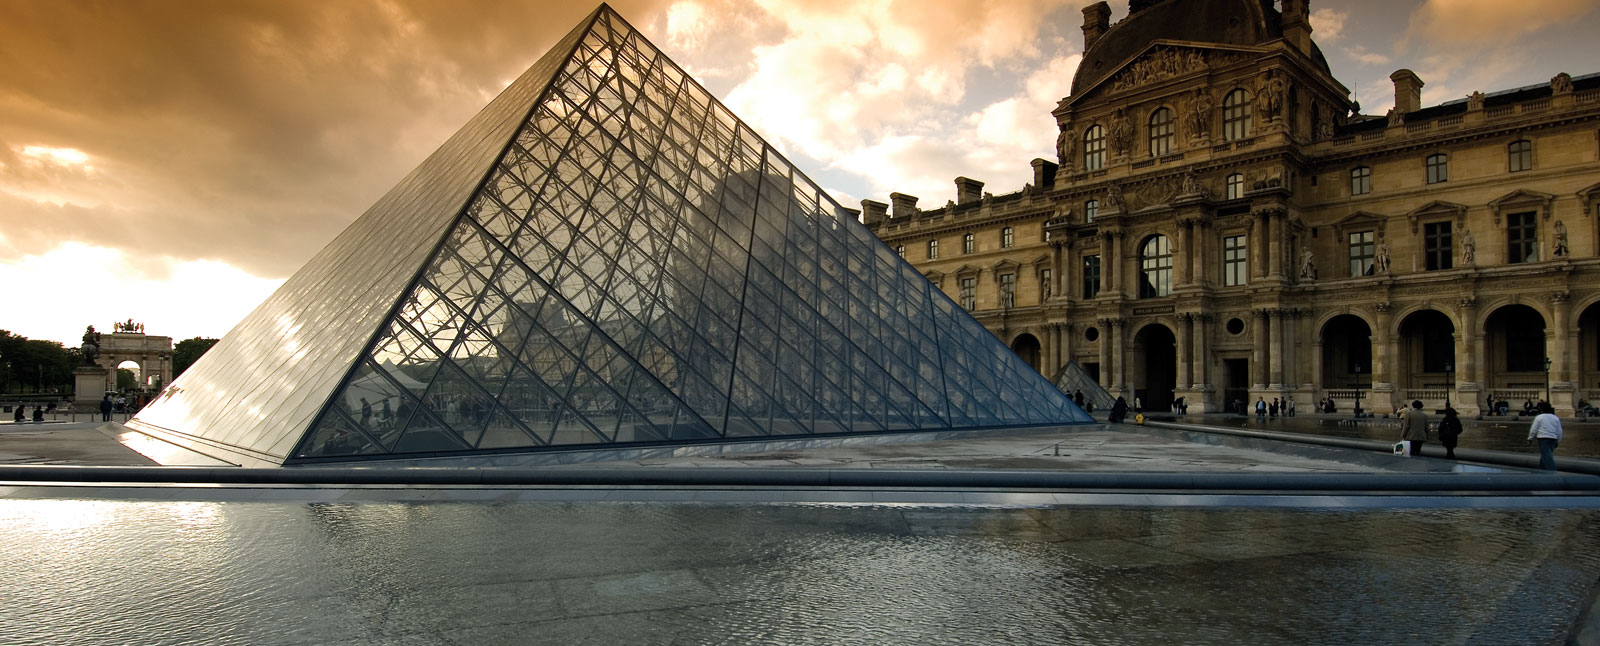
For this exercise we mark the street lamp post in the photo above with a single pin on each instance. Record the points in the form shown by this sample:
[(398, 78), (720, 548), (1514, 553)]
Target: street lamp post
[(1358, 390), (1547, 379), (1449, 381)]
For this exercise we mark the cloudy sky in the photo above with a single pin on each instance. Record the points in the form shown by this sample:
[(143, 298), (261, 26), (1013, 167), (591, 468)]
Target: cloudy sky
[(174, 160)]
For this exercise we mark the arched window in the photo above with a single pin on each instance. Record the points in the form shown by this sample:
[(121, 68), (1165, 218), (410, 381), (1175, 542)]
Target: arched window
[(1360, 180), (1094, 148), (1233, 187), (933, 250), (1236, 115), (1519, 155), (1155, 267), (1438, 166), (968, 244), (1091, 209), (1161, 133)]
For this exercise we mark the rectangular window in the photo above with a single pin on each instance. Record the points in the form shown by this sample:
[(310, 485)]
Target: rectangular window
[(1438, 168), (1522, 238), (1519, 155), (968, 244), (1008, 290), (1361, 181), (933, 250), (1091, 209), (1006, 238), (1235, 261), (1044, 285), (1437, 249), (1091, 276), (969, 293), (900, 249), (1361, 253)]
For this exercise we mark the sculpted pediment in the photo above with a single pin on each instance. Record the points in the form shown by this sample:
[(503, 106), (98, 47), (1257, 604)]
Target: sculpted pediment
[(1163, 61)]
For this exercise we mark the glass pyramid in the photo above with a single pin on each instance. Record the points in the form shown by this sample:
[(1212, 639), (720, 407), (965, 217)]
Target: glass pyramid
[(605, 256)]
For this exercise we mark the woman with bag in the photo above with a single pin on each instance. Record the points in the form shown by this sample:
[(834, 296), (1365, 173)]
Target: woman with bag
[(1449, 431)]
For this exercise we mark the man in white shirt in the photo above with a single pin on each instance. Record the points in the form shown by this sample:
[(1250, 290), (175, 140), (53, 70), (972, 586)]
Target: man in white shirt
[(1546, 428)]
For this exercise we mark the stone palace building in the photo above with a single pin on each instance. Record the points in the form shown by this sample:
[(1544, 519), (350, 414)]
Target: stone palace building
[(1222, 224)]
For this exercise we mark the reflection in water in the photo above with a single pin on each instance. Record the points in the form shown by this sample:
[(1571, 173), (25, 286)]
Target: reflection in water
[(286, 573)]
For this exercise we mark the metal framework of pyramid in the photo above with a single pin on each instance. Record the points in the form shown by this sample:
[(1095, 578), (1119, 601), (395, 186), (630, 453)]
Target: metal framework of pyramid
[(604, 256)]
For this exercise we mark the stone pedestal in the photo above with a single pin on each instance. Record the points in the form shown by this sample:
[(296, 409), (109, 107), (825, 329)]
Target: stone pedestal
[(89, 385)]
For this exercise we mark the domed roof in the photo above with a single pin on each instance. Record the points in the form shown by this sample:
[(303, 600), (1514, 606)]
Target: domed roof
[(1227, 22)]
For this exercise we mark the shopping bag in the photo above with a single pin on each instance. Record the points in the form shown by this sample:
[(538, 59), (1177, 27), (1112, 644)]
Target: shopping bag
[(1402, 447)]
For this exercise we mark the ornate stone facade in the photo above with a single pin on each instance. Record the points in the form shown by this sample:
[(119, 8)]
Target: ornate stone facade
[(1263, 239)]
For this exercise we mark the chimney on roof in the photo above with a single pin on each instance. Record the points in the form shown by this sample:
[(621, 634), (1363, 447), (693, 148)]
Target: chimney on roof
[(1407, 91), (1296, 24), (872, 213), (1096, 20), (905, 206), (968, 190), (1044, 173)]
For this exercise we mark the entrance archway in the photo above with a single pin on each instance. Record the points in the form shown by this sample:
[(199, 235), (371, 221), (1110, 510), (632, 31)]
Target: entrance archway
[(1155, 357), (1427, 359), (1346, 353), (1515, 343), (138, 375), (1027, 347), (1588, 363)]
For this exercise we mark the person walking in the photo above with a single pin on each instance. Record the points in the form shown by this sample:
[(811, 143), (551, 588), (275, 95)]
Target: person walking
[(1261, 408), (1415, 425), (1449, 431), (105, 408), (1546, 428), (1289, 403)]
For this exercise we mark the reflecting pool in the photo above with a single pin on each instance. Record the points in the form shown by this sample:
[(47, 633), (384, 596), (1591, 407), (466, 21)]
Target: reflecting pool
[(126, 572)]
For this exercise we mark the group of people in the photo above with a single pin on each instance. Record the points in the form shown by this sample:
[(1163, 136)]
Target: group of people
[(38, 413), (1326, 405), (1414, 425), (1264, 409)]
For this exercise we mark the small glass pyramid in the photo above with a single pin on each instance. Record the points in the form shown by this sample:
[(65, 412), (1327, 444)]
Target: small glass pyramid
[(625, 263)]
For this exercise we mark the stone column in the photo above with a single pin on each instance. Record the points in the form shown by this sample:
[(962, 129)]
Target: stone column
[(1119, 346), (1198, 239), (1180, 267), (1185, 361), (1064, 330), (1275, 243), (1560, 344), (1259, 235), (1106, 378), (1112, 279), (1258, 351), (1382, 349), (1201, 354), (1275, 349)]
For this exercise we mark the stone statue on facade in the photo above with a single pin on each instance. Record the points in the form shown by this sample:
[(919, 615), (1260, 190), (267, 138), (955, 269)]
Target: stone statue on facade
[(1559, 245), (1561, 84), (1121, 134), (1469, 249), (1475, 101), (1064, 146), (1271, 93), (91, 347), (1395, 118), (1380, 261), (1308, 265), (1190, 185), (1199, 115)]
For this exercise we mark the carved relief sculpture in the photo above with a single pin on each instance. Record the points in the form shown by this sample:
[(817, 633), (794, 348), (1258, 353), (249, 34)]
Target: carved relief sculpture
[(1395, 118), (1475, 101), (1114, 198), (1559, 245), (1469, 249), (1190, 185)]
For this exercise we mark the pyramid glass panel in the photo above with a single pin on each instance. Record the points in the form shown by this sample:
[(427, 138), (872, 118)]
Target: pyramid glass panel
[(605, 256)]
